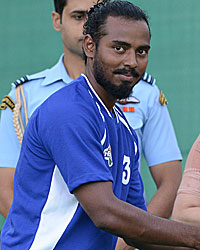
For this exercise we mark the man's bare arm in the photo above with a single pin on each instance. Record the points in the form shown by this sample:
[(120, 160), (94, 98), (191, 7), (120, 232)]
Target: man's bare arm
[(136, 226), (167, 177), (6, 189), (126, 247), (187, 209)]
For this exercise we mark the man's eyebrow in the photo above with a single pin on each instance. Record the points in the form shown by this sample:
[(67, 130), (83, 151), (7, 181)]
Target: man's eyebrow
[(128, 45), (117, 42), (83, 12), (145, 47)]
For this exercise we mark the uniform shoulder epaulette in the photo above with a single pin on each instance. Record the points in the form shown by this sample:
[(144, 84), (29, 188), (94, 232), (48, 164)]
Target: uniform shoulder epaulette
[(7, 102), (163, 99), (148, 78), (20, 81)]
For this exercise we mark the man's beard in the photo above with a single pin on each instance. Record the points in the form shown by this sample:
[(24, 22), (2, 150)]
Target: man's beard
[(115, 92)]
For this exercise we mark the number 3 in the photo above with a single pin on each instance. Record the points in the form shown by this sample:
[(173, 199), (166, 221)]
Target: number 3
[(127, 172)]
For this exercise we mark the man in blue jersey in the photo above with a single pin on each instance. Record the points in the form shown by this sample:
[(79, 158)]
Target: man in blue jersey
[(77, 184), (68, 19), (150, 120)]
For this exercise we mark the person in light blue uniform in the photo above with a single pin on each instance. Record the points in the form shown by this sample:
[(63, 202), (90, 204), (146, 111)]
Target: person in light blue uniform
[(41, 86), (149, 117)]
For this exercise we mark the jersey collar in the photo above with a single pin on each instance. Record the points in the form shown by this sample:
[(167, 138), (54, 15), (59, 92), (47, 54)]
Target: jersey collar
[(95, 93)]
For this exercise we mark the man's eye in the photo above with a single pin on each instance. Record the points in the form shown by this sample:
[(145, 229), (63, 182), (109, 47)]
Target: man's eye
[(142, 52), (119, 48), (79, 17)]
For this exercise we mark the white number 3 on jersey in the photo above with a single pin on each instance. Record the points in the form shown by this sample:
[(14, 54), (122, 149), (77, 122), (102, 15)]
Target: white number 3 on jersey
[(127, 172)]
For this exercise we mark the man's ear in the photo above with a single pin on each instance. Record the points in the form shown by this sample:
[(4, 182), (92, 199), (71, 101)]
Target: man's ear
[(89, 46), (56, 20)]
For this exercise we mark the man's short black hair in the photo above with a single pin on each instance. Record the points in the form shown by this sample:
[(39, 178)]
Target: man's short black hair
[(99, 13), (59, 5)]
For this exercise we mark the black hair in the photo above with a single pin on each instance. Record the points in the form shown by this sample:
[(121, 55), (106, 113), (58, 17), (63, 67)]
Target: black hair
[(99, 13), (59, 6)]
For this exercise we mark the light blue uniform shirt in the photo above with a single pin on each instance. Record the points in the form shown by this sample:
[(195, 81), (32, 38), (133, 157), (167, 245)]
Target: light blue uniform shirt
[(152, 124), (39, 87)]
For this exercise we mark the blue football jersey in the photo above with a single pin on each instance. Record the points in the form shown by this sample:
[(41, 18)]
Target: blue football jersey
[(70, 140)]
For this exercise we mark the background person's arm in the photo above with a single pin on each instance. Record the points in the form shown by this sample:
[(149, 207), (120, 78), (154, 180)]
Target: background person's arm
[(187, 204), (167, 177), (9, 154), (187, 209), (6, 189)]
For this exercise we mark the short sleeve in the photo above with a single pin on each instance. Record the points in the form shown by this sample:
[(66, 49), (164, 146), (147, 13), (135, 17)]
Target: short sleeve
[(159, 140), (9, 146), (73, 139)]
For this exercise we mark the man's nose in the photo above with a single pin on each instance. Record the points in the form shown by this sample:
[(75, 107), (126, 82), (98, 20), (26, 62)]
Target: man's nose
[(131, 59)]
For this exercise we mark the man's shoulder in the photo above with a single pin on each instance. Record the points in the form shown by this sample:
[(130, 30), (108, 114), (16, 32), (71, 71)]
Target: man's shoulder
[(27, 80), (31, 78), (147, 82), (69, 97), (147, 78), (148, 90), (146, 87), (46, 76)]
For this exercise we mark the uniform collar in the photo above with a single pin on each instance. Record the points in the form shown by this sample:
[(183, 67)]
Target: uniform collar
[(57, 73)]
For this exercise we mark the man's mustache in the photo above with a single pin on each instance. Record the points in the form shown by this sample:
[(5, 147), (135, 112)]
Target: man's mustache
[(125, 71)]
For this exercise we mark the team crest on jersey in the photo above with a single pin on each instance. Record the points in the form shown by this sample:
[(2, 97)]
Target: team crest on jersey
[(108, 156)]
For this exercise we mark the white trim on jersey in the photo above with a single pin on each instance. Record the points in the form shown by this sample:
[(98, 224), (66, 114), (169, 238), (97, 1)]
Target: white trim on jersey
[(90, 94), (116, 113), (96, 94), (136, 149), (100, 112), (125, 124), (52, 225), (104, 138)]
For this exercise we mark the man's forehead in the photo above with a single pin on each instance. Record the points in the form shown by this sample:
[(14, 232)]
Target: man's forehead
[(126, 31), (79, 5), (116, 25), (121, 20)]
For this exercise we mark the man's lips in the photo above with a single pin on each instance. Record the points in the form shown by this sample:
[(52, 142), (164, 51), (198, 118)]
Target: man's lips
[(129, 73), (126, 77)]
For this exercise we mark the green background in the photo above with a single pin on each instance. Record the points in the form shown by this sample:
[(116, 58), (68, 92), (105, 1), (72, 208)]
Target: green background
[(29, 44)]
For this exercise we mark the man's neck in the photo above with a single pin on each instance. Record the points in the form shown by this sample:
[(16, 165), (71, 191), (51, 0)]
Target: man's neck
[(101, 92), (74, 65)]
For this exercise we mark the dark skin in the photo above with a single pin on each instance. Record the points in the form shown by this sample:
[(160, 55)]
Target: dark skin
[(120, 49), (137, 227), (134, 225)]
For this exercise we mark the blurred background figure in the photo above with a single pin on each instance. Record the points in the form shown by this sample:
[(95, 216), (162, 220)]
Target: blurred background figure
[(187, 203)]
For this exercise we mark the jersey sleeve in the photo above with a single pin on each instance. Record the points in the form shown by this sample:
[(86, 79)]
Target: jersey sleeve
[(9, 146), (158, 140), (74, 142)]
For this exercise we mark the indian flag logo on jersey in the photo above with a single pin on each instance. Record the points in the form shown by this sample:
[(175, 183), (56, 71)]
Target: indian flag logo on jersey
[(108, 156)]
